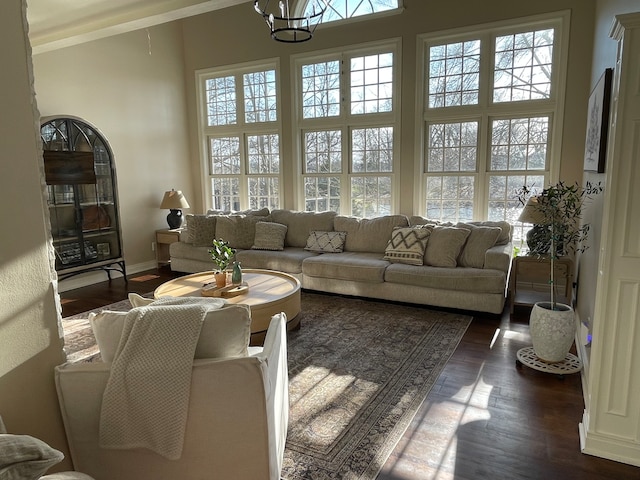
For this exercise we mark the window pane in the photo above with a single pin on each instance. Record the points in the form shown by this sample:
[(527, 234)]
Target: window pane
[(372, 84), (225, 193), (225, 156), (519, 143), (452, 147), (321, 194), (523, 66), (503, 204), (260, 97), (454, 74), (321, 89), (341, 9), (264, 192), (323, 151), (450, 198), (221, 101), (370, 196), (372, 149), (263, 153)]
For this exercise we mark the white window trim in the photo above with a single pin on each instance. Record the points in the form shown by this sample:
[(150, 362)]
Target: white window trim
[(300, 125), (240, 128), (553, 106), (360, 18)]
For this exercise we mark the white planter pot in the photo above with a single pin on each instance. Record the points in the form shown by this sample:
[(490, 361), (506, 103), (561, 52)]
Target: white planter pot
[(552, 331)]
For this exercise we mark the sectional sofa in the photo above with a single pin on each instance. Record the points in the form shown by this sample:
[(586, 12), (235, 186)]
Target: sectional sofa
[(394, 257)]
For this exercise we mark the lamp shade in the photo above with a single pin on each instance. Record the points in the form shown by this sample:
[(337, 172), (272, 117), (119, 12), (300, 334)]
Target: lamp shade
[(532, 214), (174, 200)]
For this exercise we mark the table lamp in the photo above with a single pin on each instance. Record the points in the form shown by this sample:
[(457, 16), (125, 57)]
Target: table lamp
[(174, 201), (539, 234)]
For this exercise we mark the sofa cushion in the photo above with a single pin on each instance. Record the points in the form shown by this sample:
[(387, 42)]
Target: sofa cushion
[(225, 331), (269, 236), (464, 280), (479, 241), (355, 266), (368, 234), (25, 457), (444, 246), (407, 245), (326, 242), (238, 230), (201, 230), (418, 220), (505, 230), (300, 224), (288, 260)]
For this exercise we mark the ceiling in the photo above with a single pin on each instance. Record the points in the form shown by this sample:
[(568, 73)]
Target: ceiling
[(56, 24)]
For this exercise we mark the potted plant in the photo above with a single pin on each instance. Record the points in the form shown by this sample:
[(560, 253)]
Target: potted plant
[(221, 254), (556, 213)]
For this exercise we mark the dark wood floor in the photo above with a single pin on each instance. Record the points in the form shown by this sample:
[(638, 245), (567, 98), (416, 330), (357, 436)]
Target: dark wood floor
[(484, 419)]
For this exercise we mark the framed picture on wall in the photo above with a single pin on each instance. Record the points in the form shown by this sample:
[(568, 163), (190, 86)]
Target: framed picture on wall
[(595, 147)]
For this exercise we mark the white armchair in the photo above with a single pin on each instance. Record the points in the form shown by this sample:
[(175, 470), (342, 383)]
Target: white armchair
[(236, 426)]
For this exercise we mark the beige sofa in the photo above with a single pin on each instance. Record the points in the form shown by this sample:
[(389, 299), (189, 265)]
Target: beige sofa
[(236, 427), (464, 266)]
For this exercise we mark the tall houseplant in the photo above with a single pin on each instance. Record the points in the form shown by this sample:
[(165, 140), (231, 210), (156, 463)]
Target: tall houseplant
[(556, 212)]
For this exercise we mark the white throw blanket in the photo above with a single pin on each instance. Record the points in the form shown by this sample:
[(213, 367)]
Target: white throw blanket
[(146, 400)]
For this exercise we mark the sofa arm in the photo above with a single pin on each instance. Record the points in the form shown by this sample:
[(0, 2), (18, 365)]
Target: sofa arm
[(498, 257)]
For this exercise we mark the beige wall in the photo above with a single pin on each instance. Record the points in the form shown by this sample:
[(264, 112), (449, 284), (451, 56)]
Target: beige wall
[(130, 87), (604, 56), (237, 34), (30, 344)]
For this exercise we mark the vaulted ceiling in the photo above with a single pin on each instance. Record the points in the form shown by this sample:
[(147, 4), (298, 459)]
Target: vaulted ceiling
[(56, 24)]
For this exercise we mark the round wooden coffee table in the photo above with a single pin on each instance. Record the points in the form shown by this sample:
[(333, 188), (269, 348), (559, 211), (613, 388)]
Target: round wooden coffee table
[(270, 292)]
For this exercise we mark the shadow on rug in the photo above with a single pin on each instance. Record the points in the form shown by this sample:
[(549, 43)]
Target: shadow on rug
[(358, 372)]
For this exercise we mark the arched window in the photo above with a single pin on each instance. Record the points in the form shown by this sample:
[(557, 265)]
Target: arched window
[(343, 9)]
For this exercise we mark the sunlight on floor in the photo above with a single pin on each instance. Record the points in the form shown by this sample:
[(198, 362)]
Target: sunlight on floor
[(443, 420), (144, 278)]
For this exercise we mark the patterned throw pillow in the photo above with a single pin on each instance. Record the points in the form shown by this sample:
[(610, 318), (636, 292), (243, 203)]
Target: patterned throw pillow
[(269, 236), (407, 245), (326, 242)]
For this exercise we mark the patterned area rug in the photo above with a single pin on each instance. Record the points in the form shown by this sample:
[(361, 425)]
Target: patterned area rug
[(358, 371)]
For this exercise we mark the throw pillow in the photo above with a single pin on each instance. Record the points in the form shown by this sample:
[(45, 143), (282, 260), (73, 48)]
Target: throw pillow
[(480, 240), (407, 245), (138, 300), (444, 247), (269, 236), (326, 242), (505, 227), (201, 230), (238, 230), (25, 457), (225, 331)]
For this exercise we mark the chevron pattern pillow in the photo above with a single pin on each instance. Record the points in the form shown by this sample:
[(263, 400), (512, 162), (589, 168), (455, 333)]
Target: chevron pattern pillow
[(326, 242), (407, 245)]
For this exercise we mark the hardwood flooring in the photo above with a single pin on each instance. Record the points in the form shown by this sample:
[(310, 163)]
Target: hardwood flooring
[(484, 418)]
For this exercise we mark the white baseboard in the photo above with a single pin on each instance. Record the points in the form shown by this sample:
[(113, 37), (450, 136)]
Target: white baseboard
[(98, 276)]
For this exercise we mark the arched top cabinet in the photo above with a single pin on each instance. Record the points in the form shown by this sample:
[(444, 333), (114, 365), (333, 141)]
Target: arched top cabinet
[(83, 199)]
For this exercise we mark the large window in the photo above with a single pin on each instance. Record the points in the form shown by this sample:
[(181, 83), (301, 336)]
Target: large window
[(241, 136), (347, 124), (344, 9), (489, 118)]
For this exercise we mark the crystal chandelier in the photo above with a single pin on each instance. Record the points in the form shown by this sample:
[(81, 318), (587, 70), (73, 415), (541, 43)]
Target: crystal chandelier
[(287, 28)]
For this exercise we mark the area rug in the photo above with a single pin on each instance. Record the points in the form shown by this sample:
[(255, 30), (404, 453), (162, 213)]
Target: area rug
[(358, 372)]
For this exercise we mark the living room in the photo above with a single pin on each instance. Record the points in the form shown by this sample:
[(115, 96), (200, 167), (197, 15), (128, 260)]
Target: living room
[(139, 89)]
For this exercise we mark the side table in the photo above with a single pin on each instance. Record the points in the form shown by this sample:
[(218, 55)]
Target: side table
[(529, 282), (164, 238)]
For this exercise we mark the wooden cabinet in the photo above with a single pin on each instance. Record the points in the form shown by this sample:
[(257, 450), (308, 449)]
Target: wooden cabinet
[(83, 201), (529, 281), (164, 238)]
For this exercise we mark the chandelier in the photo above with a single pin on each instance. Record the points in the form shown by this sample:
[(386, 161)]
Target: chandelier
[(287, 28)]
